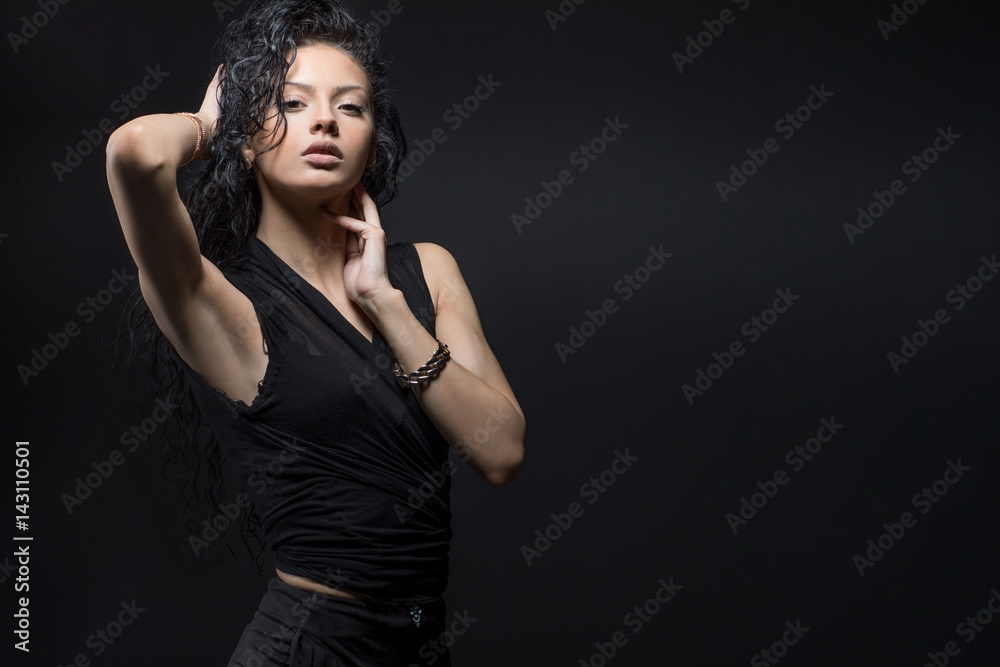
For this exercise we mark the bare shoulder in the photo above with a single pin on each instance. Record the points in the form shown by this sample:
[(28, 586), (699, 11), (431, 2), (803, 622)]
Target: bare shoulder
[(457, 322), (441, 273)]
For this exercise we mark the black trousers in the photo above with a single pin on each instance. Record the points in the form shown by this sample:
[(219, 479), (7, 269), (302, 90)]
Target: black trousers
[(298, 628)]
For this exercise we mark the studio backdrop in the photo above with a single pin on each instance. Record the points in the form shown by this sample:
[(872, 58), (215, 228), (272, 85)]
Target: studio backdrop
[(738, 259)]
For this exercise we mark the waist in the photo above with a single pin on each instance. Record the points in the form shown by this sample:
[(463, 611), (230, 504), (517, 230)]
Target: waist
[(307, 584)]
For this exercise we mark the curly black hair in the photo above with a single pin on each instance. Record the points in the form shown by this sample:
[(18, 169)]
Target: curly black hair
[(224, 202)]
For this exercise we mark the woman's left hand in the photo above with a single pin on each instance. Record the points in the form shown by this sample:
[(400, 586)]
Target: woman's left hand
[(365, 275)]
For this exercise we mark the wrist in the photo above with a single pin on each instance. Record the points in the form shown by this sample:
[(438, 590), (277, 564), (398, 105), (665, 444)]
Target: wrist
[(209, 121), (382, 304), (201, 137)]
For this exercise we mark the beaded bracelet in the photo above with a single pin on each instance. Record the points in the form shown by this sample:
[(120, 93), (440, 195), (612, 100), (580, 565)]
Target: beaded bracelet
[(201, 134), (425, 372)]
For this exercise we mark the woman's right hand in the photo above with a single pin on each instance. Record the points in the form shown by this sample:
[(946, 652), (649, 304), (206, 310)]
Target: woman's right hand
[(209, 111)]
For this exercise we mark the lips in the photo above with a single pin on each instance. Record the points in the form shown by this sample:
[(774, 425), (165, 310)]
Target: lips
[(323, 148)]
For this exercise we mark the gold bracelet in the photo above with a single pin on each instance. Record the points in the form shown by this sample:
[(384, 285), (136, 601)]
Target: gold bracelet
[(201, 134), (425, 372)]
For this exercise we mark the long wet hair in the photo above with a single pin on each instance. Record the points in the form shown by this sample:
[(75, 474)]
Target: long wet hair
[(224, 202)]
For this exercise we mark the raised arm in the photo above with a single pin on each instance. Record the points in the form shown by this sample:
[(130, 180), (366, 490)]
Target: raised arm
[(195, 306)]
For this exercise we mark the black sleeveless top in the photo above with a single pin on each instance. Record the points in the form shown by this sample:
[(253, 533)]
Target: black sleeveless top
[(349, 475)]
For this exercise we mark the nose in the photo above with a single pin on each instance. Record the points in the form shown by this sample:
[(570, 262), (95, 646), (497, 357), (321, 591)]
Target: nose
[(325, 122)]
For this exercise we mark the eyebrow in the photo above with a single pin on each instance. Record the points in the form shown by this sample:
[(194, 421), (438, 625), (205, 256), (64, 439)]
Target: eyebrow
[(338, 90)]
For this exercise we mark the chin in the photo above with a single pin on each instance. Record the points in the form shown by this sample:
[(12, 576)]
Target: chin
[(323, 187)]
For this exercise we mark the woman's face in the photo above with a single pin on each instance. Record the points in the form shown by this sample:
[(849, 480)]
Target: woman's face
[(327, 101)]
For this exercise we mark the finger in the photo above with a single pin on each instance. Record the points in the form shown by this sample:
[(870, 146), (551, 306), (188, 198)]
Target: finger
[(347, 222), (353, 248), (356, 231)]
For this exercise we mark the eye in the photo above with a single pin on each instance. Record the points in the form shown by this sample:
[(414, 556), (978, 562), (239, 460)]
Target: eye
[(290, 104), (354, 109)]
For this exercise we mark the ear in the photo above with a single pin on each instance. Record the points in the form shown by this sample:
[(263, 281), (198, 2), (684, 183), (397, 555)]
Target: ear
[(248, 155)]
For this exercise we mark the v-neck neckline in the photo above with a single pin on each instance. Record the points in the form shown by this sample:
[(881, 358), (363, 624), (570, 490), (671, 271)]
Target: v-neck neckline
[(311, 289)]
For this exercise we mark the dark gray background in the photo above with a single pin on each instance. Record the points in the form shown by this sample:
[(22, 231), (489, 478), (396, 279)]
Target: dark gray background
[(656, 184)]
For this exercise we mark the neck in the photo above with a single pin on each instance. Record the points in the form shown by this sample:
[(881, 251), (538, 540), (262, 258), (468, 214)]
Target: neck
[(302, 235)]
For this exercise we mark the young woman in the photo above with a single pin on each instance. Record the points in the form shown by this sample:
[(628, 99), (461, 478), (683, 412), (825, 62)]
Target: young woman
[(332, 368)]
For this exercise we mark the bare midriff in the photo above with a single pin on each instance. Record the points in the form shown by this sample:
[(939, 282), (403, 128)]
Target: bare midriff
[(314, 586)]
